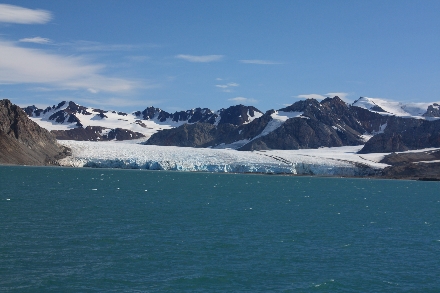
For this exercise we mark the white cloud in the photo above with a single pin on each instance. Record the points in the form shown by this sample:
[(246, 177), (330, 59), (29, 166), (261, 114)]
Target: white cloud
[(37, 40), (243, 100), (201, 59), (21, 15), (23, 65), (90, 46), (226, 87), (260, 62)]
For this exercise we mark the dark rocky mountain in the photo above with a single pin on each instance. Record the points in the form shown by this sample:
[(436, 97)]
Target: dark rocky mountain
[(208, 134), (64, 112), (329, 123), (23, 141), (90, 123), (402, 134), (67, 112), (236, 115), (433, 111), (194, 115), (96, 133)]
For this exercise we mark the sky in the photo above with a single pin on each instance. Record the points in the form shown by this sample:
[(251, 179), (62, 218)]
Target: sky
[(179, 55)]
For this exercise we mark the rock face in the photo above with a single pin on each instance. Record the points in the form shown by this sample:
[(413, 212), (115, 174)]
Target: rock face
[(23, 142), (329, 123), (236, 115), (415, 165), (96, 133), (66, 115), (433, 111), (403, 134), (194, 115)]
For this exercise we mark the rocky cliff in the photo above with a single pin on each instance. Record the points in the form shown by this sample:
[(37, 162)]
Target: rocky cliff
[(402, 134), (96, 133), (23, 142)]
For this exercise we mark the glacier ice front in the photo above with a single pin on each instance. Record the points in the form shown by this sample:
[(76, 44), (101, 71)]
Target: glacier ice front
[(330, 161)]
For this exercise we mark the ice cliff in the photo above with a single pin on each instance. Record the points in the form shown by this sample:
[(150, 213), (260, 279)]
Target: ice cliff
[(328, 161)]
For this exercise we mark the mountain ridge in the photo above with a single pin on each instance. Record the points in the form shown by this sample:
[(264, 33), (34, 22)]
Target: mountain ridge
[(304, 124)]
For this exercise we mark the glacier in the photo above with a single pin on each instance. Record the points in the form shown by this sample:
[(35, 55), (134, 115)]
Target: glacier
[(340, 161)]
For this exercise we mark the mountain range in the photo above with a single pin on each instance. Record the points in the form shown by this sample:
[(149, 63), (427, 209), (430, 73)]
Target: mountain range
[(382, 126)]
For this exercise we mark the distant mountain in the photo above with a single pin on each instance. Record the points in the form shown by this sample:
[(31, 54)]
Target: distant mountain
[(411, 110), (311, 124), (23, 141), (69, 120), (304, 124)]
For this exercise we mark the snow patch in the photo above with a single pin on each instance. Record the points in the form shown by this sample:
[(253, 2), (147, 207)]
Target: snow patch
[(278, 118)]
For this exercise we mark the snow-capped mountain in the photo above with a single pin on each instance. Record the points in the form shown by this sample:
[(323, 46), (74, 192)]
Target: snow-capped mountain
[(69, 120), (410, 110), (304, 124)]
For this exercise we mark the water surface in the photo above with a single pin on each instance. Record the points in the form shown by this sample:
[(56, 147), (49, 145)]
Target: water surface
[(104, 230)]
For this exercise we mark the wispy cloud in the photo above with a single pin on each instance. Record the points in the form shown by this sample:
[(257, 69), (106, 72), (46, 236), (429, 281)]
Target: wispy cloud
[(23, 65), (341, 95), (200, 59), (21, 15), (37, 40), (260, 62), (90, 46), (227, 87), (243, 100)]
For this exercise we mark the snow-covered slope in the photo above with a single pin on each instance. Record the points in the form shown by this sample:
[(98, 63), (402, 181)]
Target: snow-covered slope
[(384, 107), (277, 119), (325, 161), (69, 115), (63, 117)]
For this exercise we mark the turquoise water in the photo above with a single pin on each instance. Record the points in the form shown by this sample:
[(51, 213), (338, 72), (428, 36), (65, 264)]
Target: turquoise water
[(102, 230)]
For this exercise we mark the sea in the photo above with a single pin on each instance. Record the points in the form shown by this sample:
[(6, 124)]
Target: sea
[(111, 230)]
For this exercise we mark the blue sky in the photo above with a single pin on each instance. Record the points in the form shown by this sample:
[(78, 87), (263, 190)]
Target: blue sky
[(179, 55)]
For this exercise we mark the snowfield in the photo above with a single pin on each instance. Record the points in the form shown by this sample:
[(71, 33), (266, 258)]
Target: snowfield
[(408, 110), (112, 121), (341, 161)]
